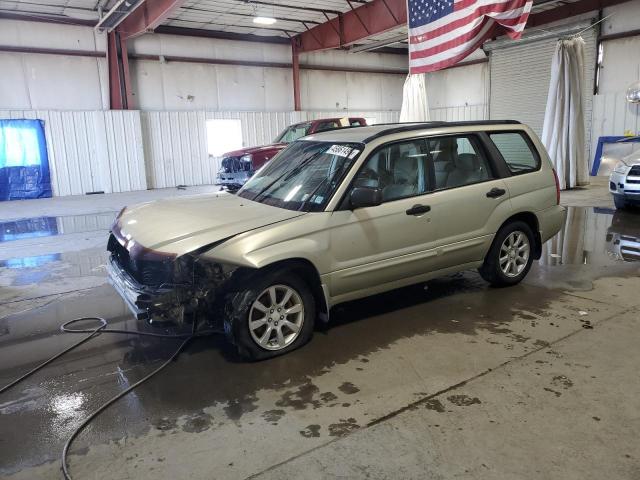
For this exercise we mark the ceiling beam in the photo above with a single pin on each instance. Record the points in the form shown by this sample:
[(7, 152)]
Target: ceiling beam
[(147, 16), (372, 18)]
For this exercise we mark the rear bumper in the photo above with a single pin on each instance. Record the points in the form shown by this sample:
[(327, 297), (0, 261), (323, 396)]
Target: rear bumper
[(551, 221), (141, 300)]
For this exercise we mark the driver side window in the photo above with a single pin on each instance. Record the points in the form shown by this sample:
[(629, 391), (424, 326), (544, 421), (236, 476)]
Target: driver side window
[(400, 170)]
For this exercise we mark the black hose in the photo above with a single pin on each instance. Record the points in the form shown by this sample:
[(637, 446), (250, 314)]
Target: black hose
[(92, 333)]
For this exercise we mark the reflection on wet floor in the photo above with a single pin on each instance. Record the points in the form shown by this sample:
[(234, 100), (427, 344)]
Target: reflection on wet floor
[(595, 236), (53, 267), (51, 226)]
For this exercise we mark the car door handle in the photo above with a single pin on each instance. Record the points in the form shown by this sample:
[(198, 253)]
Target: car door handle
[(418, 210), (496, 192)]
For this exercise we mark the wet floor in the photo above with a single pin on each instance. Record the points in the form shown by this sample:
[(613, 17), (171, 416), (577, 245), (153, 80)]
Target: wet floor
[(377, 356), (38, 227)]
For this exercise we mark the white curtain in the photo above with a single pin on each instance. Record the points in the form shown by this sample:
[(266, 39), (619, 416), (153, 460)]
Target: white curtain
[(415, 106), (563, 132)]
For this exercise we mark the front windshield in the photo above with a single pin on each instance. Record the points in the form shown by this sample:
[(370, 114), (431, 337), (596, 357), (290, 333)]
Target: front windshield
[(303, 176), (293, 133)]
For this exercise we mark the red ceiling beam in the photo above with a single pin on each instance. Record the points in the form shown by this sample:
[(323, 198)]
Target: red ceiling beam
[(361, 22), (147, 16), (144, 18)]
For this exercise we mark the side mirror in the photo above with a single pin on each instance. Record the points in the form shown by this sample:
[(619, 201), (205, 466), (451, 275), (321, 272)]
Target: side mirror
[(365, 197)]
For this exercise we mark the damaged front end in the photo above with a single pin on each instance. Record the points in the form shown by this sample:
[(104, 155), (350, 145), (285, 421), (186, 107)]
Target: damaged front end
[(160, 286)]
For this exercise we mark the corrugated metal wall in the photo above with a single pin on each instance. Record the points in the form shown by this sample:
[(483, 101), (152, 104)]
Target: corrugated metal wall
[(119, 151), (520, 75), (91, 151), (176, 142)]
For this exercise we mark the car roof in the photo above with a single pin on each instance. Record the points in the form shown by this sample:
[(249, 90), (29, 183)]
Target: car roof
[(329, 119), (367, 134)]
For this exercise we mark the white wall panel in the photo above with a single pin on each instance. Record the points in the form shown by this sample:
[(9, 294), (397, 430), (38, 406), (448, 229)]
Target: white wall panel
[(176, 149), (453, 87), (91, 151), (460, 113), (620, 64)]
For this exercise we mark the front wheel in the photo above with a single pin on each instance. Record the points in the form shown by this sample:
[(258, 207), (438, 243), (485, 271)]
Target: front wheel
[(272, 316), (510, 256)]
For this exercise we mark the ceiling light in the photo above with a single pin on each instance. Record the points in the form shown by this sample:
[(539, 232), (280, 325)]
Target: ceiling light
[(264, 20)]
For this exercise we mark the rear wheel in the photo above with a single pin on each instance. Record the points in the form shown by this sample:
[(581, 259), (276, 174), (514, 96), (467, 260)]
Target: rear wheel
[(510, 256), (619, 202), (272, 316)]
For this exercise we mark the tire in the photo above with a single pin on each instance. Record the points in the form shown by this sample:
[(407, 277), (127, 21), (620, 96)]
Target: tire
[(619, 202), (242, 309), (492, 270)]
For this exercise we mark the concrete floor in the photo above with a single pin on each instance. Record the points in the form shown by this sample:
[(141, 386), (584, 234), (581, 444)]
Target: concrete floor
[(442, 380)]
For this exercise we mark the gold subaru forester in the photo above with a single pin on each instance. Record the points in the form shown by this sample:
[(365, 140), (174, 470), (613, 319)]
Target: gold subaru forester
[(337, 216)]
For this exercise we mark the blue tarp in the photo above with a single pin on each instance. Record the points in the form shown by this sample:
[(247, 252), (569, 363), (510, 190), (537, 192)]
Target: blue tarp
[(24, 165)]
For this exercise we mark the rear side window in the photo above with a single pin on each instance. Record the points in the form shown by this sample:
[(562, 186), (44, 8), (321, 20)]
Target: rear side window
[(457, 162), (327, 126), (517, 152)]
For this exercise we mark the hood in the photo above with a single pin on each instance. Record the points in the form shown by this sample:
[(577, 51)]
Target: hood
[(632, 159), (181, 225), (255, 150)]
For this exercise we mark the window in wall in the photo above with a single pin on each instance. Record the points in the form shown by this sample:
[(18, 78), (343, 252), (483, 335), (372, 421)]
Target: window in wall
[(516, 152), (223, 136)]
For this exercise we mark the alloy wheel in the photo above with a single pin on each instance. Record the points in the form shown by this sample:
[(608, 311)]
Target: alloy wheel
[(514, 253), (276, 317)]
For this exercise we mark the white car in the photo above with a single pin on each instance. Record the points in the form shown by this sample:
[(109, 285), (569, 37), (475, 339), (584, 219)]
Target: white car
[(624, 181)]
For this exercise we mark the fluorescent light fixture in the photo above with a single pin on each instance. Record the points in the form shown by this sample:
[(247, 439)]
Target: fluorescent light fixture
[(264, 20)]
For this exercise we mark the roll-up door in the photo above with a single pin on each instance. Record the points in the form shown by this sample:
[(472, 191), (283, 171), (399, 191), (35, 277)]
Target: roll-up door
[(520, 73)]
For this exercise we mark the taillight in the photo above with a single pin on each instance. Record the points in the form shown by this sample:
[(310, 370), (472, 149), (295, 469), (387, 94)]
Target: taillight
[(555, 177)]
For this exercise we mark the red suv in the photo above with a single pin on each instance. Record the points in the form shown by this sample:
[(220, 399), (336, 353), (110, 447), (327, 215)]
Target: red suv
[(238, 166)]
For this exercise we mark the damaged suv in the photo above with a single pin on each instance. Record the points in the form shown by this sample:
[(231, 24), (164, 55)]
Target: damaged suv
[(338, 216)]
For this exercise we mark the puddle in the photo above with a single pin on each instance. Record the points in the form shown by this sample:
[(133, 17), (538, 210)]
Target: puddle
[(595, 236), (38, 227)]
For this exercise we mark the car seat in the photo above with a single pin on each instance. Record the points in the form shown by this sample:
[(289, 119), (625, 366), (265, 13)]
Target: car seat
[(467, 170)]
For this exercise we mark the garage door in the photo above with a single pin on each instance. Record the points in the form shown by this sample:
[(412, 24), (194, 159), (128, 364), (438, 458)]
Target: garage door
[(520, 73)]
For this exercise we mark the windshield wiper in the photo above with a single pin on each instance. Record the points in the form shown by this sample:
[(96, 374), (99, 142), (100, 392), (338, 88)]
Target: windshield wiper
[(288, 174)]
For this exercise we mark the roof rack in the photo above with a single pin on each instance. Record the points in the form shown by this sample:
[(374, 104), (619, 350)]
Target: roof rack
[(399, 127)]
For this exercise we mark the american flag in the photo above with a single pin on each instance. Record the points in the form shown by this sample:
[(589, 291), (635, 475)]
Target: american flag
[(443, 32)]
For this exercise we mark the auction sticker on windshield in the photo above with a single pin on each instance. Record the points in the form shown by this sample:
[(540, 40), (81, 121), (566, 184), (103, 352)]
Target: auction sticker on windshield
[(339, 150)]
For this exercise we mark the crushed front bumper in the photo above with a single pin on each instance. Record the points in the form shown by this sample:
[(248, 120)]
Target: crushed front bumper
[(142, 300)]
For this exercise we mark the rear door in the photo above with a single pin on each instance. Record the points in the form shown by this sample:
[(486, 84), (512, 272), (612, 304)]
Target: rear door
[(469, 201)]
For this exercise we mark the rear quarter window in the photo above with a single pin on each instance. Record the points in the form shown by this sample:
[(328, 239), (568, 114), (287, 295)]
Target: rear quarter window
[(517, 150)]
